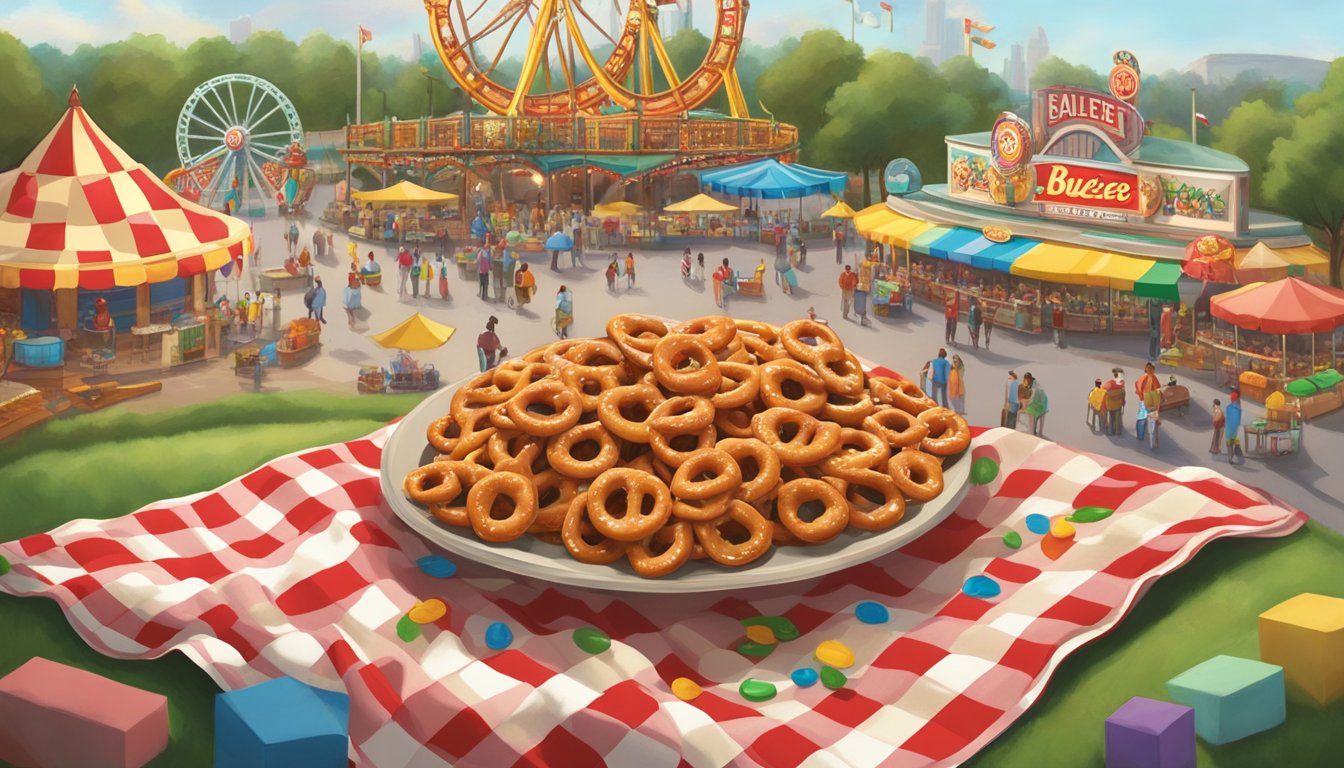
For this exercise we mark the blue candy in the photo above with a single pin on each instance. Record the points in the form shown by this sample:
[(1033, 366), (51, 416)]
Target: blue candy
[(1038, 524), (436, 566), (981, 586), (804, 677), (870, 612), (498, 636)]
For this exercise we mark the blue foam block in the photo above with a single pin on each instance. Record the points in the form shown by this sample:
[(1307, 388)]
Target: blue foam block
[(1232, 697), (281, 722)]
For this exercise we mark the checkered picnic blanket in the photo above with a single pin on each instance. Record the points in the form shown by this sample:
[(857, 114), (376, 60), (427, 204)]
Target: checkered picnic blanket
[(299, 569)]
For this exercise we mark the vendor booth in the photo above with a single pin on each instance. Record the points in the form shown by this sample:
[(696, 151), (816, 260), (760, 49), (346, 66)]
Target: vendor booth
[(769, 179), (404, 212)]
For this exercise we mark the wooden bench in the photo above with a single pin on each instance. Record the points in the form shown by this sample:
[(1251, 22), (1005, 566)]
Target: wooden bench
[(1175, 398), (754, 286)]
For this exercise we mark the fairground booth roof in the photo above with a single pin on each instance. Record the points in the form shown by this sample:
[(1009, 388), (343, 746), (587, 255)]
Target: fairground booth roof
[(81, 213)]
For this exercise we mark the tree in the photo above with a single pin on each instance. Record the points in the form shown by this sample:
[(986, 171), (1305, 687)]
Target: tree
[(1056, 71), (1304, 181), (22, 94), (328, 94), (136, 94), (1168, 131), (798, 86), (897, 107), (1250, 132), (985, 92)]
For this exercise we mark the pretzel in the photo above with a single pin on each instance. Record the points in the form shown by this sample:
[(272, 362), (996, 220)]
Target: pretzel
[(917, 474), (636, 336), (905, 395), (739, 385), (700, 378), (830, 523), (715, 332), (554, 494), (561, 451), (724, 476), (876, 501), (847, 411), (810, 440), (664, 552), (548, 393), (590, 381), (790, 384), (949, 434), (758, 465), (633, 522), (792, 334), (577, 533), (858, 449), (897, 427), (839, 370), (613, 405), (674, 449), (485, 501), (720, 549)]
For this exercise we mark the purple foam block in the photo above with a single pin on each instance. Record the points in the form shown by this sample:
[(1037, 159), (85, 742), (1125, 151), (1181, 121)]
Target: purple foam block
[(54, 716), (1144, 733)]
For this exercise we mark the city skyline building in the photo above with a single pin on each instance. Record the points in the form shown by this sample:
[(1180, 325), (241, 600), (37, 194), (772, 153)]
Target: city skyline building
[(1016, 69), (935, 11), (1038, 50), (240, 29)]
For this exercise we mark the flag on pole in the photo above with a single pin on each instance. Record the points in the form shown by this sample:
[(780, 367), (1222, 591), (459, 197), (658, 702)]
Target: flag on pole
[(886, 9), (981, 27), (983, 43), (1201, 118), (365, 35)]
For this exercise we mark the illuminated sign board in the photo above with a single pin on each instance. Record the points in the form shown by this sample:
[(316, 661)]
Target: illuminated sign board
[(1057, 108), (1080, 185)]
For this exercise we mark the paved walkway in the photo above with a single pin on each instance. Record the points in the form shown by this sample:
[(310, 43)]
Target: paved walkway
[(903, 343)]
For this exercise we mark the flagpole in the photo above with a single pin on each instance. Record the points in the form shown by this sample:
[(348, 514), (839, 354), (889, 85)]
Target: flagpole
[(359, 75), (1193, 140)]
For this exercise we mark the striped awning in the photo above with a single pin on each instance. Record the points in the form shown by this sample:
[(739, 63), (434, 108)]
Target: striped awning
[(81, 213), (1118, 271), (943, 247), (883, 225), (1055, 263)]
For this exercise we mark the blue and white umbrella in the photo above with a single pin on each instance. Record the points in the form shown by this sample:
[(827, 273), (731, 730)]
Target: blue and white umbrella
[(559, 242), (478, 228)]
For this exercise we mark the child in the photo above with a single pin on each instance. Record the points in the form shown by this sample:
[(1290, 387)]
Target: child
[(611, 275)]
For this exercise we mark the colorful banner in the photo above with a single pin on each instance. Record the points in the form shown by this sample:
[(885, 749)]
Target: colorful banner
[(1087, 186), (1194, 200)]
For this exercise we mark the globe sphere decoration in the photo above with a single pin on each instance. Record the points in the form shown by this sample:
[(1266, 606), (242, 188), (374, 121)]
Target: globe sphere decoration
[(902, 177), (233, 135), (1010, 145)]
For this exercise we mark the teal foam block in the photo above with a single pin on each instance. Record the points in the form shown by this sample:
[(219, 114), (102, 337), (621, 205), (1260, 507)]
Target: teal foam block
[(1232, 697), (281, 722)]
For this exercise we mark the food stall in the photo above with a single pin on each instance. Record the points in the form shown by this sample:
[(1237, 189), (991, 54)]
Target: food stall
[(404, 212)]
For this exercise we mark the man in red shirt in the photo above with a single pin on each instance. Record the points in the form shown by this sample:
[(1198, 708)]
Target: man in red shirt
[(722, 276), (950, 315), (848, 282), (1057, 323), (404, 261)]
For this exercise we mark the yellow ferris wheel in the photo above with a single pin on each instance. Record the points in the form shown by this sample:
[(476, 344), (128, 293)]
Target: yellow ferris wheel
[(473, 36)]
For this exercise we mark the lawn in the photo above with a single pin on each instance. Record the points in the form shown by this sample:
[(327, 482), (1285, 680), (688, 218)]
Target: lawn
[(60, 471)]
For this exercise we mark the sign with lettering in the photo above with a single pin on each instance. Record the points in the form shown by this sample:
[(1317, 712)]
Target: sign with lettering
[(1058, 108), (1087, 186), (1010, 142)]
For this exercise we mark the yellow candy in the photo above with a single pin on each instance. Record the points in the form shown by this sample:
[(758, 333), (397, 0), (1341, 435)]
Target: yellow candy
[(1061, 528), (428, 611), (685, 688), (761, 634), (834, 653)]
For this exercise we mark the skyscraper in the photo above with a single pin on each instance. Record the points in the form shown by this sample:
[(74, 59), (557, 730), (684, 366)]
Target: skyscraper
[(417, 46), (240, 29), (954, 40), (935, 12), (1016, 70), (1038, 50), (688, 20)]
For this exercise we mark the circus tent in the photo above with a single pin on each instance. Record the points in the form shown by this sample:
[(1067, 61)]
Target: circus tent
[(80, 215)]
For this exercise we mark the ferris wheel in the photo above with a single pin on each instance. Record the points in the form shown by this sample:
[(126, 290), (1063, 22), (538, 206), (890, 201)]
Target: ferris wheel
[(562, 72), (234, 134)]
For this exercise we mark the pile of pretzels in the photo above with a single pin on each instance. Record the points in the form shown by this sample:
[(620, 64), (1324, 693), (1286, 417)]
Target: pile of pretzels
[(664, 443)]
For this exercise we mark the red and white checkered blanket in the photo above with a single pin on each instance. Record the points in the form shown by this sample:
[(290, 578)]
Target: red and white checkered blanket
[(298, 569)]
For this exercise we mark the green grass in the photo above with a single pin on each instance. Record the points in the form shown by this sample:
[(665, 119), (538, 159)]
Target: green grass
[(107, 464)]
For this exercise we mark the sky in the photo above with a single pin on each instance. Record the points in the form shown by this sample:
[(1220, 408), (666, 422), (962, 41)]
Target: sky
[(1162, 34)]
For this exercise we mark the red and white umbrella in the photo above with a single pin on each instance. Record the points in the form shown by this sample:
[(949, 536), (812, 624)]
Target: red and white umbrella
[(81, 213)]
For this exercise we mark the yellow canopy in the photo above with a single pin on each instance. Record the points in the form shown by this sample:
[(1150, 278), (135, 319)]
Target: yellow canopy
[(416, 333), (405, 193), (1311, 258), (840, 210), (1055, 263), (618, 208), (880, 224), (700, 204), (1118, 271)]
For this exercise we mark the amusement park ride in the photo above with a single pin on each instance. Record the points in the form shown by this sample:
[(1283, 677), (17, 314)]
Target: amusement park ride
[(587, 97), (239, 141)]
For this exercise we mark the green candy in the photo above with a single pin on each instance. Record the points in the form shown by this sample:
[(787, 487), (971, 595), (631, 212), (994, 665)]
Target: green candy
[(984, 470), (756, 690), (591, 639), (1089, 514), (407, 630), (1012, 539), (833, 678), (783, 628), (758, 650), (4, 565)]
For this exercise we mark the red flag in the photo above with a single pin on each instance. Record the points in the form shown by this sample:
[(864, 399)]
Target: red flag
[(365, 35), (1201, 118), (885, 6), (983, 43), (966, 25)]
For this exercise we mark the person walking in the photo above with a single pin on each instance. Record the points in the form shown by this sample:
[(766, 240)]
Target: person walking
[(1057, 323), (319, 301), (782, 268), (555, 255), (483, 272), (700, 267), (1011, 405), (1037, 407), (293, 235), (973, 321), (956, 384), (499, 269), (352, 299), (1152, 403), (254, 312), (1115, 401), (722, 279), (686, 265), (488, 346), (426, 272), (940, 370), (564, 311), (1232, 423), (319, 244), (848, 282), (415, 274), (611, 274), (403, 269), (839, 236), (1219, 421), (576, 253), (629, 271), (442, 264), (864, 288), (1024, 393), (989, 324), (1148, 381), (1096, 407), (950, 314)]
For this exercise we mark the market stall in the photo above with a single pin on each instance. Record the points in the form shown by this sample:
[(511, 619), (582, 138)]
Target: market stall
[(697, 217), (404, 212), (769, 179)]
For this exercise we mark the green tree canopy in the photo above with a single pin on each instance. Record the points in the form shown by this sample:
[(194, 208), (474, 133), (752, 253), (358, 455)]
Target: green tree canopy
[(985, 93), (798, 86), (1249, 132), (22, 94), (1056, 71)]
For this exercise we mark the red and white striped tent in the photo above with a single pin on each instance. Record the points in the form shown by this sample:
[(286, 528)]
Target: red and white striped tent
[(81, 213)]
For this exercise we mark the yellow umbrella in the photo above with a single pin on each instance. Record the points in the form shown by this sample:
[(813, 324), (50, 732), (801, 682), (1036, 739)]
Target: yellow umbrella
[(700, 204), (618, 208), (416, 333), (405, 193), (840, 211)]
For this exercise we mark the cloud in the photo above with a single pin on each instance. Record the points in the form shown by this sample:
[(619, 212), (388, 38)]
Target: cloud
[(51, 22)]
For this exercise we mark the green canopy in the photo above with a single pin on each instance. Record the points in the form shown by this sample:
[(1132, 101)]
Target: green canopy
[(625, 165), (1159, 282)]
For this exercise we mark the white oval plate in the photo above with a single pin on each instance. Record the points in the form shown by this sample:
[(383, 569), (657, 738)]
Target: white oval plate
[(408, 448)]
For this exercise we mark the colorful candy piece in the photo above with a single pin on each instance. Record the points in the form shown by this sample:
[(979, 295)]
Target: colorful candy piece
[(783, 628), (1054, 547), (756, 650), (984, 470), (870, 612), (1038, 524), (833, 678), (407, 629), (1061, 528), (428, 611), (498, 636), (4, 565), (804, 677), (1012, 539), (1090, 514), (756, 690), (436, 566), (759, 633), (834, 653), (591, 639), (981, 586), (685, 688)]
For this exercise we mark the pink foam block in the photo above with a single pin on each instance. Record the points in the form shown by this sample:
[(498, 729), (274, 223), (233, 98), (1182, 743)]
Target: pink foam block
[(53, 716)]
